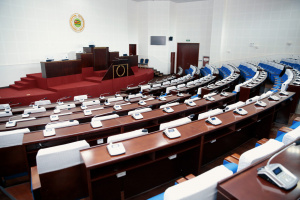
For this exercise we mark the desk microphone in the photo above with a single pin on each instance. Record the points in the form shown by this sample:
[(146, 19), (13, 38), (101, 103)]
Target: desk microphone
[(277, 174), (141, 83), (101, 95), (129, 85)]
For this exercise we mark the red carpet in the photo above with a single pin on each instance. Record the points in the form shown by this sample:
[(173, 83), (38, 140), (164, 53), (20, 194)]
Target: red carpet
[(34, 87)]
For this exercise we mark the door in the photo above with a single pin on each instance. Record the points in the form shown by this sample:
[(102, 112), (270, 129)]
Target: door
[(187, 54), (132, 49)]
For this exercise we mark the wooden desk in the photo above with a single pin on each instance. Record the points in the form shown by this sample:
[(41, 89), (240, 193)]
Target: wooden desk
[(60, 68), (192, 89), (33, 141), (247, 92), (247, 185), (147, 162), (229, 85), (39, 123)]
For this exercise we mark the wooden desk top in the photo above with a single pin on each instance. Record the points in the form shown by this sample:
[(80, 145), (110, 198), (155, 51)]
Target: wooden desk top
[(157, 140), (247, 185), (37, 136), (80, 115)]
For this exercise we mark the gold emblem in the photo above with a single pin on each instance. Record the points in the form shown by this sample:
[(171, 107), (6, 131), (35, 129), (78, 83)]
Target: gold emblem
[(77, 22)]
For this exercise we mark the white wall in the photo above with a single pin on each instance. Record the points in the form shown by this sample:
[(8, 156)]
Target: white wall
[(32, 29), (194, 22), (269, 24)]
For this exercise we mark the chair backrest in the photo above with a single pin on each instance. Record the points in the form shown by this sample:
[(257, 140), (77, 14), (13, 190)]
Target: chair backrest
[(291, 136), (253, 155), (61, 171), (12, 153), (139, 111), (34, 110), (210, 113), (170, 88), (174, 123), (203, 186), (141, 60), (252, 100), (143, 87), (62, 124), (126, 136), (106, 117), (80, 97), (146, 61), (114, 99), (235, 105)]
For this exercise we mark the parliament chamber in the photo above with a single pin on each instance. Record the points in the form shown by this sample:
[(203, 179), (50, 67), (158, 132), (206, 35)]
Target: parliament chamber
[(215, 121)]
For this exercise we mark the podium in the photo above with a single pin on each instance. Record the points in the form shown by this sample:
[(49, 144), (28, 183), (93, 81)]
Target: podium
[(118, 69)]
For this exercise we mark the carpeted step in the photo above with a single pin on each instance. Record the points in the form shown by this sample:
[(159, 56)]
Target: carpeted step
[(100, 73), (21, 83), (17, 87), (30, 81), (94, 79)]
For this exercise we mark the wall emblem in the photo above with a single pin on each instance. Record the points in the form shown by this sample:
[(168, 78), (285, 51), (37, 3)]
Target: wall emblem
[(77, 22)]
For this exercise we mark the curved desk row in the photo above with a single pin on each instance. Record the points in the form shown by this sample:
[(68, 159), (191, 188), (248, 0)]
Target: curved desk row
[(33, 141), (78, 114), (154, 159)]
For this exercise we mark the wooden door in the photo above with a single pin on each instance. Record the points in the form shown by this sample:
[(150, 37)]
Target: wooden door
[(172, 62), (187, 54), (132, 49)]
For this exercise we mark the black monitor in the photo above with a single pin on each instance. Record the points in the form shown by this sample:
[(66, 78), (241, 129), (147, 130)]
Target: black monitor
[(158, 40)]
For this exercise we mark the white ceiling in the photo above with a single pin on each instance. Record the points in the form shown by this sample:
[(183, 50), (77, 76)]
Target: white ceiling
[(176, 1)]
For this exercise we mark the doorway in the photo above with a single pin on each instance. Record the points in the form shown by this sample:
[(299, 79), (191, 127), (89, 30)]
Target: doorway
[(187, 54), (132, 49)]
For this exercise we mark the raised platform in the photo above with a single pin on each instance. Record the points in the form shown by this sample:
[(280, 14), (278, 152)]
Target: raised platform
[(34, 87)]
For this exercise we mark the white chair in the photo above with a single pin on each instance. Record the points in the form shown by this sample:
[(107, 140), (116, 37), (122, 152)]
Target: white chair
[(144, 87), (90, 103), (203, 186), (175, 123), (55, 164), (234, 106), (139, 111), (291, 136), (170, 88), (180, 86), (80, 98), (42, 102), (106, 117), (35, 110), (126, 136), (253, 155), (169, 105), (109, 100), (62, 124), (252, 100), (210, 113), (65, 106), (6, 114), (12, 138), (135, 95)]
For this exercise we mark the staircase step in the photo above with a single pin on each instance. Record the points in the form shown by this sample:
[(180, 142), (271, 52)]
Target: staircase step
[(17, 87), (28, 79), (100, 73), (21, 83), (94, 79)]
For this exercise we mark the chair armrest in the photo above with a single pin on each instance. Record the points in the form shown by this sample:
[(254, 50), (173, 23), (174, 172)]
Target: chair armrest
[(236, 156), (285, 129), (190, 176), (231, 160), (297, 119), (181, 180), (35, 179)]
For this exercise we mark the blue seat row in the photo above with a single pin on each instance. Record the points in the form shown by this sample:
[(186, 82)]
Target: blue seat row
[(205, 71), (291, 62), (246, 72), (224, 72)]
